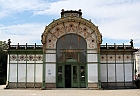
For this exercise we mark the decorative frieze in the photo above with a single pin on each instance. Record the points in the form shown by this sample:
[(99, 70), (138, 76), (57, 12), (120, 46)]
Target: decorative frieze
[(24, 57), (118, 58)]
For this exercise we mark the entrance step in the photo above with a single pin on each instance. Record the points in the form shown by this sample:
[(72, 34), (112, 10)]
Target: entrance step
[(75, 89)]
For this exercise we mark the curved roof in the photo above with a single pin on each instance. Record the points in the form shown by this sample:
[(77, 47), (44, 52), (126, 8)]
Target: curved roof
[(72, 19)]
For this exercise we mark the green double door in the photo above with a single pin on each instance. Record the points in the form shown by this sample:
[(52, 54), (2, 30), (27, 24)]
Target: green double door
[(71, 76)]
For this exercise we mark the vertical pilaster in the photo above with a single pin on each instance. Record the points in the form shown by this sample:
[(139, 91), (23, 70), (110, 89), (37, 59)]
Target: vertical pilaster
[(44, 60), (107, 68), (17, 64), (124, 69), (26, 66), (8, 71), (35, 67), (99, 74), (115, 72)]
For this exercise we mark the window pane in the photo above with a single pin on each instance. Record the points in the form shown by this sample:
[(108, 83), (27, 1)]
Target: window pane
[(71, 46), (60, 73), (82, 73), (75, 73)]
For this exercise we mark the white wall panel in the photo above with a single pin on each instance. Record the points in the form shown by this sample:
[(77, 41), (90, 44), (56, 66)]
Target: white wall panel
[(92, 58), (103, 73), (21, 72), (119, 72), (128, 72), (92, 73), (91, 51), (38, 73), (50, 57), (22, 58), (111, 72), (30, 72), (50, 73), (30, 61), (13, 73), (13, 62)]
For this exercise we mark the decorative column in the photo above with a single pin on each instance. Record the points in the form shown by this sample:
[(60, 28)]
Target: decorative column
[(99, 74), (44, 60)]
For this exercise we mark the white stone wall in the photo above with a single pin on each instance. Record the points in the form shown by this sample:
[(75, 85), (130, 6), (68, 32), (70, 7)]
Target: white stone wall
[(50, 74), (24, 68), (92, 67), (92, 73), (119, 72)]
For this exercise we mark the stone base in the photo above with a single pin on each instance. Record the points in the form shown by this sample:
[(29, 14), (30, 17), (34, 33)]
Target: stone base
[(23, 85), (117, 85), (93, 86), (50, 85)]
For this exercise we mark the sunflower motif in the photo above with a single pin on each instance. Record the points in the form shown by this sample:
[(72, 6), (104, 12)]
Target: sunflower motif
[(22, 57), (39, 58), (13, 58), (31, 58)]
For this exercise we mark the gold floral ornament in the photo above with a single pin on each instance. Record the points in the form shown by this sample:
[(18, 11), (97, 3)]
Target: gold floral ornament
[(13, 58), (31, 58), (39, 58), (22, 58)]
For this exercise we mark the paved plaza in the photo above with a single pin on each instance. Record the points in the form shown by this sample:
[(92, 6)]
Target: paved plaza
[(67, 92)]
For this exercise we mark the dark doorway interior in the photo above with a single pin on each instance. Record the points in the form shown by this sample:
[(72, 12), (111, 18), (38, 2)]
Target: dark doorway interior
[(67, 76)]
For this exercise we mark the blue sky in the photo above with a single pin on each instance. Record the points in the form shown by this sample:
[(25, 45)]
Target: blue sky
[(23, 21)]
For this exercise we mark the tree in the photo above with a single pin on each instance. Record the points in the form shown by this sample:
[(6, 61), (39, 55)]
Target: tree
[(3, 62)]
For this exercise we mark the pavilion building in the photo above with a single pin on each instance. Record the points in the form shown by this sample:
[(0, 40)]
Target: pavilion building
[(71, 56)]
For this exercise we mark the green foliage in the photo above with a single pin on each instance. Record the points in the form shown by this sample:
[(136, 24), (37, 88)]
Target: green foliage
[(3, 45), (3, 66)]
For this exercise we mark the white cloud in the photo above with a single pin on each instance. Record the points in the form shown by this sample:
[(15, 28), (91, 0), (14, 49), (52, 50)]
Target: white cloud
[(9, 7), (117, 19), (24, 33)]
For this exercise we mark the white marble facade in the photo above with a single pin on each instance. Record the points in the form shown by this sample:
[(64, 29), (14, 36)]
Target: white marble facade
[(117, 69), (25, 68)]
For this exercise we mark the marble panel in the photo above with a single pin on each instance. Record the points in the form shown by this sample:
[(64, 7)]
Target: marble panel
[(91, 51), (111, 58), (103, 73), (22, 58), (127, 58), (50, 73), (13, 58), (31, 58), (39, 58), (128, 72), (92, 58), (103, 58), (30, 72), (50, 51), (92, 73), (50, 57), (21, 72), (119, 73), (38, 73), (111, 72), (13, 73)]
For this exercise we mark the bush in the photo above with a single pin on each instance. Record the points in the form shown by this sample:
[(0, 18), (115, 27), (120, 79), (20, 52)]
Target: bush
[(2, 80)]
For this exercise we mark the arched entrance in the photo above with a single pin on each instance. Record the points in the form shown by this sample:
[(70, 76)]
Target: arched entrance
[(71, 69)]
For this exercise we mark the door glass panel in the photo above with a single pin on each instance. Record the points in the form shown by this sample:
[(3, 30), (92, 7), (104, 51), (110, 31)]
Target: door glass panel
[(75, 73), (59, 73), (82, 73)]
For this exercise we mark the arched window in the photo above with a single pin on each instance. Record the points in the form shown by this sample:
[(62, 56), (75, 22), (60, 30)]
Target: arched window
[(71, 47)]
